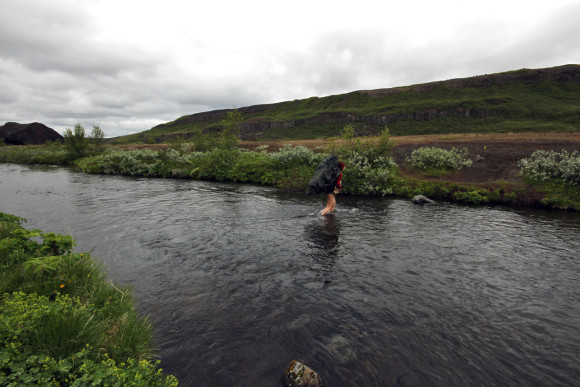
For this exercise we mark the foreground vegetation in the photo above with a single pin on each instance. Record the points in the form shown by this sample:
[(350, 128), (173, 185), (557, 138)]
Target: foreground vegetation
[(62, 322), (370, 168)]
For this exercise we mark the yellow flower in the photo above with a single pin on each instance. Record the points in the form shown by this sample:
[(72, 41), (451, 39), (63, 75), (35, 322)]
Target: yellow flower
[(61, 286)]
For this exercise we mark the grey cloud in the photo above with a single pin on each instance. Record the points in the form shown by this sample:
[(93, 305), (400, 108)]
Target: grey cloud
[(46, 37), (53, 70)]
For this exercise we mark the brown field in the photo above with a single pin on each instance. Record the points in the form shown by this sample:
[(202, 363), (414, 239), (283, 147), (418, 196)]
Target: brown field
[(498, 153)]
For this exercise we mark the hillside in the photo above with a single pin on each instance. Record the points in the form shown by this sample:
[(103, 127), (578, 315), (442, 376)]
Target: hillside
[(536, 100)]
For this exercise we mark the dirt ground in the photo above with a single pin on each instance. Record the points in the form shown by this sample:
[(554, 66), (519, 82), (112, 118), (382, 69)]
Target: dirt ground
[(494, 156)]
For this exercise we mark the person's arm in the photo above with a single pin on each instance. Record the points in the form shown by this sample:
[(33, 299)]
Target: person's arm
[(338, 183)]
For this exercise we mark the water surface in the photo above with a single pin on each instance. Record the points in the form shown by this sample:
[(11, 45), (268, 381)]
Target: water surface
[(239, 280)]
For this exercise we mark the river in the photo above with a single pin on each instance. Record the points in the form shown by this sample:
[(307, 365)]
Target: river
[(238, 280)]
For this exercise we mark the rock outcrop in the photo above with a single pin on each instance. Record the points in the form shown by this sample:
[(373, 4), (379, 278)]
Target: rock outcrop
[(420, 199), (299, 375), (28, 134)]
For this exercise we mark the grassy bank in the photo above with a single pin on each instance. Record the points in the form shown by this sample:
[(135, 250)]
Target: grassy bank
[(62, 321), (370, 170)]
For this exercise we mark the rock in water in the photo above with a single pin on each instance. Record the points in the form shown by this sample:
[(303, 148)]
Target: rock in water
[(299, 375), (420, 199)]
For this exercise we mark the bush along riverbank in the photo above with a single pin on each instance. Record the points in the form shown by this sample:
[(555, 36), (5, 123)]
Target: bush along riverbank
[(62, 322), (370, 169)]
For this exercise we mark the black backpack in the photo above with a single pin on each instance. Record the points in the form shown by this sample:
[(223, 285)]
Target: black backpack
[(324, 178)]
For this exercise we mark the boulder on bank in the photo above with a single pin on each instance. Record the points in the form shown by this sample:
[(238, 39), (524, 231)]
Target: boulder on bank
[(420, 199), (28, 134), (299, 375)]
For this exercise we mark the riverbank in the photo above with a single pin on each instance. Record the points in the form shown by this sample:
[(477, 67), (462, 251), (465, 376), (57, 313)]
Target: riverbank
[(498, 153), (62, 321), (495, 163), (494, 175)]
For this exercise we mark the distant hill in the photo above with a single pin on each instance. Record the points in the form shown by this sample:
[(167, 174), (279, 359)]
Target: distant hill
[(540, 100), (28, 134)]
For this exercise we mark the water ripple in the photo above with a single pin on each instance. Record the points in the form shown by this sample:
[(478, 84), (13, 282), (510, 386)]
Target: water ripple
[(238, 280)]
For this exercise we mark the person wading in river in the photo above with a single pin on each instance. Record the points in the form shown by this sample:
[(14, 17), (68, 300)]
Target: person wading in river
[(330, 197), (327, 179)]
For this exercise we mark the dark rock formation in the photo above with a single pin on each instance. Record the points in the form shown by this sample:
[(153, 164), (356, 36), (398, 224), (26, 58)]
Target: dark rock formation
[(28, 134)]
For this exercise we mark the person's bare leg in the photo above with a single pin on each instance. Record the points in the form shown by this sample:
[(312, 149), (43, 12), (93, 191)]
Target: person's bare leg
[(330, 203)]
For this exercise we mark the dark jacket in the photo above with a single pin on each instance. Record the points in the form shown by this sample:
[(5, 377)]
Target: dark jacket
[(324, 178)]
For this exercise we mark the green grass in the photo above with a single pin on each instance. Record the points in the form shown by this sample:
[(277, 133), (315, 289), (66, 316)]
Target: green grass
[(559, 195), (62, 322)]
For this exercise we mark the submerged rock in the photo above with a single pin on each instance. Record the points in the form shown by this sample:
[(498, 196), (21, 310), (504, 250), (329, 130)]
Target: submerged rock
[(299, 375), (420, 199)]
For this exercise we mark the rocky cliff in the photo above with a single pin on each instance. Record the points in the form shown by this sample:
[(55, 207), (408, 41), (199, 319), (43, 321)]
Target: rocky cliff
[(28, 134)]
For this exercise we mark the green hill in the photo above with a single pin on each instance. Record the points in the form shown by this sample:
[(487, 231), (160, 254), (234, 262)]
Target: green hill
[(541, 100)]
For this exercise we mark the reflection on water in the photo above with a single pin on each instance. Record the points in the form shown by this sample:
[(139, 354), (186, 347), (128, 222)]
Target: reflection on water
[(238, 280), (325, 245)]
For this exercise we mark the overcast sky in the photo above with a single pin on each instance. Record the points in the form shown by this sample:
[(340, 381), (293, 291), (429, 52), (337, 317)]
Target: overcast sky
[(129, 65)]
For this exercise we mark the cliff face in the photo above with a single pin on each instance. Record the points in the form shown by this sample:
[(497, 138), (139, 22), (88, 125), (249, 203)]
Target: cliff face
[(251, 128), (258, 118), (28, 134)]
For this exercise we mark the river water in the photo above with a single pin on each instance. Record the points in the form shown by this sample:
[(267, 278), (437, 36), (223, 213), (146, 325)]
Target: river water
[(238, 280)]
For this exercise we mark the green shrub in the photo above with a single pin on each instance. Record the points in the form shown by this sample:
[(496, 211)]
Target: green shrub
[(545, 165), (366, 176), (470, 197), (78, 144), (132, 163), (35, 154), (290, 156), (11, 218), (427, 158), (370, 170), (61, 320)]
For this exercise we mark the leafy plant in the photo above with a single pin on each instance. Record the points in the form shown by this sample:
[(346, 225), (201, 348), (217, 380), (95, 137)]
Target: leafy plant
[(470, 197), (289, 157), (11, 218), (366, 176), (76, 142), (34, 154), (79, 145), (230, 134), (432, 158), (62, 322), (544, 165), (97, 138)]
